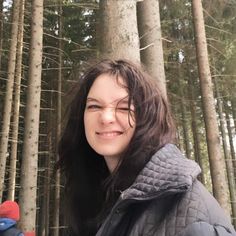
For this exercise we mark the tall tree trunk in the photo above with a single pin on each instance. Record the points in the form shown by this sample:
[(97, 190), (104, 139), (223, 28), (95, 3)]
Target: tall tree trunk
[(178, 126), (179, 138), (59, 83), (216, 161), (232, 163), (29, 166), (150, 40), (229, 166), (118, 30), (231, 138), (9, 94), (16, 105), (44, 209), (233, 104), (196, 140), (47, 186), (184, 115), (1, 31)]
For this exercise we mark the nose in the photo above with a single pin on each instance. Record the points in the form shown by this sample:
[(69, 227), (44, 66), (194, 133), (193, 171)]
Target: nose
[(107, 115)]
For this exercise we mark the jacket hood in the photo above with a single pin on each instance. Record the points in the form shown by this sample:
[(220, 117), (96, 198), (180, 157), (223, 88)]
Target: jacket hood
[(167, 170), (6, 223)]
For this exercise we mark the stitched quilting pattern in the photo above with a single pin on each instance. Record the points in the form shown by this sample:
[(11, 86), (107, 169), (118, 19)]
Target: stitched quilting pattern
[(167, 169), (190, 208), (171, 199)]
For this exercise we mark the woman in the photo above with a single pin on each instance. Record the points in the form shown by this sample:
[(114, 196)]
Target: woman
[(123, 175)]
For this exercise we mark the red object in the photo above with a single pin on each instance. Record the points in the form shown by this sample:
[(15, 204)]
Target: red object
[(29, 234), (10, 209)]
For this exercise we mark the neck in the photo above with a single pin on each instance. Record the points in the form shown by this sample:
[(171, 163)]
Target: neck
[(112, 162)]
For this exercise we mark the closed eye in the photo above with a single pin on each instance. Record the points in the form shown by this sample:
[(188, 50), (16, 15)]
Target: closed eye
[(93, 107), (123, 108)]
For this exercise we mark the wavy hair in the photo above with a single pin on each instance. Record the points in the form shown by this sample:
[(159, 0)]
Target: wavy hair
[(90, 189)]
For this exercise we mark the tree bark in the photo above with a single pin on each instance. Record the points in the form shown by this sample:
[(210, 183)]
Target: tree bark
[(16, 105), (233, 104), (212, 131), (1, 31), (45, 207), (184, 119), (229, 166), (232, 162), (9, 94), (149, 26), (56, 212), (29, 166), (196, 140), (231, 138), (118, 30)]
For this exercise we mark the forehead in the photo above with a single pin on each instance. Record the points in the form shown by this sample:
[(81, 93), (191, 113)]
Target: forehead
[(108, 88)]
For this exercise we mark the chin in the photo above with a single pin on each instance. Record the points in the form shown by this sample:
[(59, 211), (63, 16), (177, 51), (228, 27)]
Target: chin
[(109, 154)]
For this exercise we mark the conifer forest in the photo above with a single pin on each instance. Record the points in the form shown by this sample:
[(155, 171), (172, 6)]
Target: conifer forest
[(188, 46)]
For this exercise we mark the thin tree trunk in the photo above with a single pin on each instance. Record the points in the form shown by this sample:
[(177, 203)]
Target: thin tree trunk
[(229, 166), (16, 105), (216, 161), (178, 129), (233, 104), (184, 116), (44, 209), (47, 186), (150, 40), (29, 166), (118, 30), (231, 138), (56, 212), (8, 95), (1, 31), (196, 140)]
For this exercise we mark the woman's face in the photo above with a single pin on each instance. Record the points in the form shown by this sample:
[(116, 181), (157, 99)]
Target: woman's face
[(109, 122)]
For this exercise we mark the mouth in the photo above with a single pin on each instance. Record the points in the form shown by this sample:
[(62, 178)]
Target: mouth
[(109, 134)]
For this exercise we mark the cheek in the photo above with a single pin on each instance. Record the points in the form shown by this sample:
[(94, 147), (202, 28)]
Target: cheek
[(88, 127), (131, 122), (126, 121), (87, 123), (130, 128)]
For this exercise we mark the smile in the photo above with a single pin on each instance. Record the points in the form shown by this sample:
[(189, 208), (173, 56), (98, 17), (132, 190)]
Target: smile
[(109, 134)]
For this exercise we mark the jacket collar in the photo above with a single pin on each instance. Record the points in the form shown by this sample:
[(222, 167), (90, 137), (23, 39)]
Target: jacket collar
[(168, 170)]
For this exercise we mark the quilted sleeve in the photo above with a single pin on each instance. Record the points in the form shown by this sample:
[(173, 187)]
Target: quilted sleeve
[(205, 229)]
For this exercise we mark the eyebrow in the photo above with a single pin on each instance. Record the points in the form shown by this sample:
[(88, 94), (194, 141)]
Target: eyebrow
[(89, 99), (119, 100)]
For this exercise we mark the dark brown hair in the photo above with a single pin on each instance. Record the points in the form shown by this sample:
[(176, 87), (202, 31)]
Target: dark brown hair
[(85, 171)]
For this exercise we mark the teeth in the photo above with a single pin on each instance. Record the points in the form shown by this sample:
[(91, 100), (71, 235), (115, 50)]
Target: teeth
[(109, 134)]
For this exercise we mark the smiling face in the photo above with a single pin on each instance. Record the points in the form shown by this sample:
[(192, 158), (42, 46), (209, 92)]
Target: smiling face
[(108, 120)]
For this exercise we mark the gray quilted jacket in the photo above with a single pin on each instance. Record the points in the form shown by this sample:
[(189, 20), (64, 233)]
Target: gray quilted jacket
[(166, 199)]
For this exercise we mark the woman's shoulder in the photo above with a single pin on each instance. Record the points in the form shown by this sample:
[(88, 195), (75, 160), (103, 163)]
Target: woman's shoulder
[(201, 211), (206, 229), (203, 203), (191, 213)]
